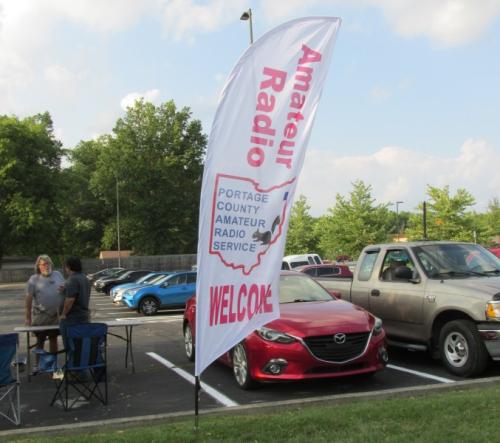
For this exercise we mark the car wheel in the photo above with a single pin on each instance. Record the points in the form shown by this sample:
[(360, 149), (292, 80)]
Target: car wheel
[(148, 306), (188, 342), (461, 349), (241, 367)]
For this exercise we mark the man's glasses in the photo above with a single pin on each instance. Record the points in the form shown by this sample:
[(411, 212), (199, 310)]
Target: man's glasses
[(44, 265)]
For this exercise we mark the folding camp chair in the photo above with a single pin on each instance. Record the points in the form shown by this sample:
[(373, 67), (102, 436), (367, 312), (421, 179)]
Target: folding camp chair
[(10, 397), (85, 363)]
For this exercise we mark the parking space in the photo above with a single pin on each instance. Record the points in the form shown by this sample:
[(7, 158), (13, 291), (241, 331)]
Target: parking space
[(163, 381)]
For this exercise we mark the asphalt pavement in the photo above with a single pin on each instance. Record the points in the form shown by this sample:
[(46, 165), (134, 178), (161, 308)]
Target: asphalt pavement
[(162, 384)]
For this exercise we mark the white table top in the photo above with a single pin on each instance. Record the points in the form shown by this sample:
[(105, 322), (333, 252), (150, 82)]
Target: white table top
[(109, 323)]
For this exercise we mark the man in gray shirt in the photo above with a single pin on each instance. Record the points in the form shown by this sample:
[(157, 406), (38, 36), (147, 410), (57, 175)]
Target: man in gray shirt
[(76, 294), (43, 302)]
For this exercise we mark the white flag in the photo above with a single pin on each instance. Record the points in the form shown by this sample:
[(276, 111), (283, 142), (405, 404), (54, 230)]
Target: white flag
[(254, 156)]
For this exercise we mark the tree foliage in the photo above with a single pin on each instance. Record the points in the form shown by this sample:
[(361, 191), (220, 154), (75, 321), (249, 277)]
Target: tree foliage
[(302, 235), (154, 156), (447, 217), (353, 223), (85, 214), (30, 179)]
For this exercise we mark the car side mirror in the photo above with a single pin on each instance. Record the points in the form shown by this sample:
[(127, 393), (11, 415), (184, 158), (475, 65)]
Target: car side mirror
[(164, 284)]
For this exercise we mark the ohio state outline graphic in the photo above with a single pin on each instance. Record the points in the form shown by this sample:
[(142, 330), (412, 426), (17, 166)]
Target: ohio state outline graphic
[(246, 220)]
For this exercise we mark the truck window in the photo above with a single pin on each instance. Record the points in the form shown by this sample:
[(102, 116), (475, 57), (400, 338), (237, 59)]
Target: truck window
[(317, 259), (394, 259), (366, 265)]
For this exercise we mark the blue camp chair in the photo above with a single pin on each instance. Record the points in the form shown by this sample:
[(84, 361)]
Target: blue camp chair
[(10, 397), (85, 363)]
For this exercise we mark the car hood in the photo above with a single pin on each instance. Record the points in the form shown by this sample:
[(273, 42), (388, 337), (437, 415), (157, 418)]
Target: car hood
[(486, 285), (321, 318)]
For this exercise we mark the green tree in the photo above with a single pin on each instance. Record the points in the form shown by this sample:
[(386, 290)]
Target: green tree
[(353, 223), (490, 222), (30, 180), (447, 217), (155, 155), (85, 215), (302, 236)]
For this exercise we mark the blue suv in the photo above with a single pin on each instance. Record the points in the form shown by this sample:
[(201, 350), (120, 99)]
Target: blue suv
[(173, 292)]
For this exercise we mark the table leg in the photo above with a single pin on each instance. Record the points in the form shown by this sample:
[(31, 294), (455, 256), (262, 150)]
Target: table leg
[(128, 331), (28, 356)]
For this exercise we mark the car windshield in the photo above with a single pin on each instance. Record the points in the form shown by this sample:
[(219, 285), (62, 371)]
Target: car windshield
[(296, 288), (125, 275), (455, 260), (147, 278)]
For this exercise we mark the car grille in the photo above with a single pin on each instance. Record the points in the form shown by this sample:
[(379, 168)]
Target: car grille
[(325, 348)]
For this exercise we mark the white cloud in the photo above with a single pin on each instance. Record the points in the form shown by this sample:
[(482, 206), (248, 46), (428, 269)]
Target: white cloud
[(380, 93), (398, 174), (58, 74), (445, 22), (148, 96), (185, 18)]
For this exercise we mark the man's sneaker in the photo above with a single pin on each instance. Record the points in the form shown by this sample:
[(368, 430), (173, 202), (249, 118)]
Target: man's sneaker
[(35, 370)]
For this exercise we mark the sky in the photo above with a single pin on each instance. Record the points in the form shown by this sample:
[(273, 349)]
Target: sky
[(411, 100)]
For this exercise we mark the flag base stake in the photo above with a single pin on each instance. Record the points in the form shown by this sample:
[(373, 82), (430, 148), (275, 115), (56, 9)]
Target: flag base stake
[(196, 401)]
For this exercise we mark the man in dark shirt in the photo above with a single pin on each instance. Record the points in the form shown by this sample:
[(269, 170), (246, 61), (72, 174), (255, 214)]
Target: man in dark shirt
[(76, 294)]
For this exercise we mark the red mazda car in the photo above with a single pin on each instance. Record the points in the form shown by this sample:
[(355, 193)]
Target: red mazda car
[(316, 336)]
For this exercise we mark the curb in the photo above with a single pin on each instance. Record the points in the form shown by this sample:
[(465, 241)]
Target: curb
[(260, 407)]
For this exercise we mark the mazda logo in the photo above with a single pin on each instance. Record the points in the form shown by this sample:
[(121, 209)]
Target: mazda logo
[(339, 338)]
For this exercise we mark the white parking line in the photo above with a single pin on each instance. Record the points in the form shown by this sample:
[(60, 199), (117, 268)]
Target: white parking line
[(221, 398), (422, 374)]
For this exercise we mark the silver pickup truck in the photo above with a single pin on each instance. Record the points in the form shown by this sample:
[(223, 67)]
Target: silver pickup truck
[(438, 296)]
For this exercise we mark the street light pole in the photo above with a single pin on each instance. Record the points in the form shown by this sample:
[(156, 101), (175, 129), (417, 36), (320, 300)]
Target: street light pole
[(118, 223), (397, 218), (247, 15)]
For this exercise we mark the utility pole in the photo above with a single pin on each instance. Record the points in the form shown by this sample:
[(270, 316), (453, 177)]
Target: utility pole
[(247, 15), (118, 224), (424, 219)]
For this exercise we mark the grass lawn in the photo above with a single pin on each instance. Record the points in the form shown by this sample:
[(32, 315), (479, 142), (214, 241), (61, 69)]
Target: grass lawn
[(453, 416)]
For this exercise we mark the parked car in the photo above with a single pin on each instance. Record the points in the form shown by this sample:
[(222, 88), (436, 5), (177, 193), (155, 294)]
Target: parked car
[(103, 273), (495, 250), (105, 284), (316, 336), (117, 292), (326, 274), (292, 261), (436, 296), (326, 271), (172, 292)]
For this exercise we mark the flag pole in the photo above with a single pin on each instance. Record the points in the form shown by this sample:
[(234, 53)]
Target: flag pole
[(196, 400)]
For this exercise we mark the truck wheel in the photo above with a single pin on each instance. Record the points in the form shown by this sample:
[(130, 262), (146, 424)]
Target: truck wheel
[(461, 349)]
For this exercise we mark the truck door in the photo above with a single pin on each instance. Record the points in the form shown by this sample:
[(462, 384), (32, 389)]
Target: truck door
[(361, 286), (398, 302)]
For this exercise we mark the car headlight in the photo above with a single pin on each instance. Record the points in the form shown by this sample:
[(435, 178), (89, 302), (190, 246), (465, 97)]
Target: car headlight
[(377, 327), (493, 310), (275, 336), (130, 293)]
